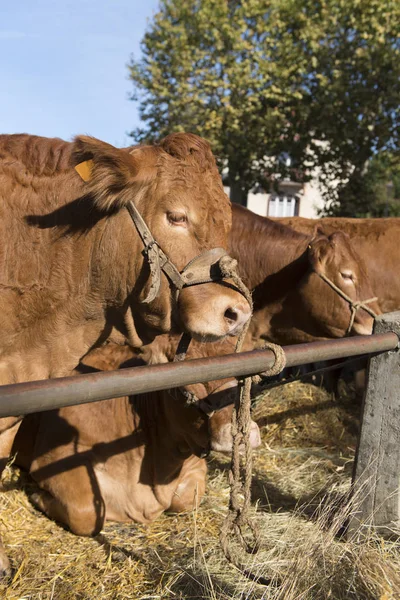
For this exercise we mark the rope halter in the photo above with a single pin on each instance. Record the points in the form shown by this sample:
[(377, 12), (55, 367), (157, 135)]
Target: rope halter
[(355, 305)]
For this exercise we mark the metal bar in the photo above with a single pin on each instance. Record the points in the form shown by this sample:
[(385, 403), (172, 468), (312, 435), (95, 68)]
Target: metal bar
[(36, 396)]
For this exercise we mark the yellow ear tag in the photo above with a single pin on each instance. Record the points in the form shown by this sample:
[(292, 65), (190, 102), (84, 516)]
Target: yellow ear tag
[(84, 169)]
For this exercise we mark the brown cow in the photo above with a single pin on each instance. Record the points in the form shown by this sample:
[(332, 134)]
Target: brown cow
[(128, 458), (376, 240), (73, 270), (292, 303), (72, 264)]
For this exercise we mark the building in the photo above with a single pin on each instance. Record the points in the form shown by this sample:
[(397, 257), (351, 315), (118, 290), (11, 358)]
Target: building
[(291, 199)]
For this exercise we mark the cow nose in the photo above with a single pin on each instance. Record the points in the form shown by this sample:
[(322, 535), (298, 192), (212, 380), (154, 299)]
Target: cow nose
[(363, 328), (255, 437), (231, 315), (210, 312), (236, 316)]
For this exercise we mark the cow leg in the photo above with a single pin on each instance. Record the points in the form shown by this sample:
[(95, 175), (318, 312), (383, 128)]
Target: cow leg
[(360, 381), (72, 498), (191, 487)]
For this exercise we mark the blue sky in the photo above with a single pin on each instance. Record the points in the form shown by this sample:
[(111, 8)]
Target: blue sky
[(63, 66)]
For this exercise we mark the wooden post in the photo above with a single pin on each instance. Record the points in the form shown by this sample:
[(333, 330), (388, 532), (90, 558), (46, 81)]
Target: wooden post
[(376, 480)]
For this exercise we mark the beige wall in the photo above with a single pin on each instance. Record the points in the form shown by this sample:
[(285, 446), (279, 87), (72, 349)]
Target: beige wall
[(310, 201)]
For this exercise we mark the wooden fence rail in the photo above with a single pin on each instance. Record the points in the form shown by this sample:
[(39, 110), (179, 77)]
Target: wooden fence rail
[(376, 484)]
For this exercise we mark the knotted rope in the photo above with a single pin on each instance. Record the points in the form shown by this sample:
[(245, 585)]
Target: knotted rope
[(354, 304), (240, 474), (228, 267)]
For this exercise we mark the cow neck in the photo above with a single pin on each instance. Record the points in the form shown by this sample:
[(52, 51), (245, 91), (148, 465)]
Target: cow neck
[(117, 249), (159, 459), (267, 250)]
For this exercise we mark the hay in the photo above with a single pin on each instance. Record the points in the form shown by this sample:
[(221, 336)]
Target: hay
[(301, 477)]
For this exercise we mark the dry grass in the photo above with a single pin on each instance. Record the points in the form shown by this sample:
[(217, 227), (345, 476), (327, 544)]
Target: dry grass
[(301, 478)]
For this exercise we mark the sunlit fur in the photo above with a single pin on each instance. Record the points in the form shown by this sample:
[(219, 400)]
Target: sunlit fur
[(71, 262)]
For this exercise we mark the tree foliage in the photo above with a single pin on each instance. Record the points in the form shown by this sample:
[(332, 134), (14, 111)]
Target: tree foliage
[(317, 79), (375, 192)]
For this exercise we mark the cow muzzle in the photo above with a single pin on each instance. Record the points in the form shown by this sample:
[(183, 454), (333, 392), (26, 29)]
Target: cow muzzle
[(221, 439)]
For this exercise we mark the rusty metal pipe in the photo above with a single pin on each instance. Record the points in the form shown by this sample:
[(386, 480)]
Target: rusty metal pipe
[(36, 396)]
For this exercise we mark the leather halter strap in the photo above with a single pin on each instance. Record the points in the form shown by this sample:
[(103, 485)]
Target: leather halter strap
[(354, 304), (211, 403), (209, 266), (204, 268)]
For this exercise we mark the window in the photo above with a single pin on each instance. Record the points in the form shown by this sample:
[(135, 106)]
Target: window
[(283, 206)]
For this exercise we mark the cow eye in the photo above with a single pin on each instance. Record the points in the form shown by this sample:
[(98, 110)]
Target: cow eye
[(347, 276), (177, 218)]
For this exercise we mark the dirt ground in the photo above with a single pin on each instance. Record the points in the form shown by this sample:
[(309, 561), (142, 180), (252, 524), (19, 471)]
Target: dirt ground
[(301, 478)]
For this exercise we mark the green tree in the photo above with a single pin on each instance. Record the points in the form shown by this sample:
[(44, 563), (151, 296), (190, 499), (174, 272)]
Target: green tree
[(317, 79), (375, 193), (355, 98), (214, 67)]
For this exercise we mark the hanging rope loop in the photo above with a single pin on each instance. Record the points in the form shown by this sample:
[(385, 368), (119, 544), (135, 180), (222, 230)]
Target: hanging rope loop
[(238, 520), (277, 367)]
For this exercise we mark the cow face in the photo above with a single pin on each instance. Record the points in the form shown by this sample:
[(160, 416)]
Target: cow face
[(200, 431), (335, 258), (178, 191), (203, 432)]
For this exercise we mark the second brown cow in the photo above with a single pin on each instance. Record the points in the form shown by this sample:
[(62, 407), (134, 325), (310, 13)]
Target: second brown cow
[(128, 458), (284, 268), (376, 240)]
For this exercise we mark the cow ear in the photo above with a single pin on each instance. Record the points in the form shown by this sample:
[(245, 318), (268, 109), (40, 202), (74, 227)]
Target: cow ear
[(113, 176), (318, 250)]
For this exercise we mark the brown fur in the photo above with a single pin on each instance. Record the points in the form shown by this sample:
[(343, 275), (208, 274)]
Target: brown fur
[(71, 264), (72, 272), (292, 303), (128, 458), (377, 241)]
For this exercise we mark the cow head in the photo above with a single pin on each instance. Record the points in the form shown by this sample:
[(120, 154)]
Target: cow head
[(176, 188), (200, 413), (334, 259)]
